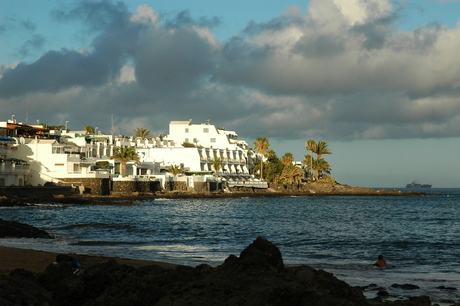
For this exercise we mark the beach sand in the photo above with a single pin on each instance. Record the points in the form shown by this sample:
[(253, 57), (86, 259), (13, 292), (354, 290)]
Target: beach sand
[(37, 261)]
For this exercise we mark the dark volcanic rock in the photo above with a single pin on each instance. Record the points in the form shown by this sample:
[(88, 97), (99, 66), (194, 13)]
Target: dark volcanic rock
[(20, 230), (257, 277), (261, 255), (405, 286)]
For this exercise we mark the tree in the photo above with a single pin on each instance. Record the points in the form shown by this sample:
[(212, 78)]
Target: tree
[(52, 127), (262, 145), (218, 164), (287, 159), (124, 155), (291, 174), (311, 146), (89, 130), (273, 166), (308, 162), (175, 170), (141, 132), (320, 166), (186, 144), (321, 149)]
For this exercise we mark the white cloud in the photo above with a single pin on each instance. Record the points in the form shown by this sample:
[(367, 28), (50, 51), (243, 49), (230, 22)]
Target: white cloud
[(146, 15), (361, 11), (127, 74)]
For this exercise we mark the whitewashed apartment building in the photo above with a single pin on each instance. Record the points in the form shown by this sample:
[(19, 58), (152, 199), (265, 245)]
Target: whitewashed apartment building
[(53, 155), (194, 146)]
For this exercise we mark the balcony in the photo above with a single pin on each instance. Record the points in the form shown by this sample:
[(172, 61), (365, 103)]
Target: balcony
[(14, 167)]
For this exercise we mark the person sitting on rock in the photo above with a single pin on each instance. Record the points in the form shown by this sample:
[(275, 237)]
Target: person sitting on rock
[(381, 262), (63, 258)]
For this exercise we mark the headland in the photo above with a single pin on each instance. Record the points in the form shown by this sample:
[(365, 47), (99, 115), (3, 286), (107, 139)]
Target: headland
[(274, 190)]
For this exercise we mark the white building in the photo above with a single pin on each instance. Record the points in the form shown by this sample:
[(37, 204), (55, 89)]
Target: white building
[(194, 147), (204, 135), (55, 155), (13, 172), (51, 161)]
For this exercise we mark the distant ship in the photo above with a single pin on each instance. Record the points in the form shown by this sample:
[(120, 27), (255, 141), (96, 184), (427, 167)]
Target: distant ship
[(417, 185)]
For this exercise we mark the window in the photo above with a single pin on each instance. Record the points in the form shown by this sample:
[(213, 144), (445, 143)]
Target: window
[(213, 140), (186, 139), (186, 130), (205, 130)]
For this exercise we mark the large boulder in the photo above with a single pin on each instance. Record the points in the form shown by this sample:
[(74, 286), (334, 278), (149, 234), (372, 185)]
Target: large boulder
[(259, 256), (21, 230)]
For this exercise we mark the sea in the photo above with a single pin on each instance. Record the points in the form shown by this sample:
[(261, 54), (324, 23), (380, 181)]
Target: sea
[(419, 236)]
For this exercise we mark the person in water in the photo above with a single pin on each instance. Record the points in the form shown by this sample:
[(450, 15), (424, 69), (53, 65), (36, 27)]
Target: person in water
[(381, 262)]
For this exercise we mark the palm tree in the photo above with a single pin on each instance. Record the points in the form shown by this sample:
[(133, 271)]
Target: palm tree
[(218, 164), (322, 148), (308, 162), (311, 146), (287, 159), (52, 127), (124, 155), (272, 166), (89, 130), (320, 166), (319, 148), (175, 170), (141, 132), (261, 144), (291, 174)]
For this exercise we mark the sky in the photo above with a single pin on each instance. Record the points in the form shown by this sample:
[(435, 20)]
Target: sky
[(378, 80)]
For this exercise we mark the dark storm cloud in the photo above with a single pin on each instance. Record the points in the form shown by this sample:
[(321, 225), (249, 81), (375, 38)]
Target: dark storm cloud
[(322, 46), (55, 71), (335, 73), (173, 59)]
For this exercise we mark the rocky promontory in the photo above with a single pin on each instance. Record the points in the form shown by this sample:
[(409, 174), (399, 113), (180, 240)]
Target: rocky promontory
[(274, 190)]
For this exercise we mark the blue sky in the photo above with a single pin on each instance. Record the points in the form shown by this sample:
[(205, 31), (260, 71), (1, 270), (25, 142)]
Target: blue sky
[(377, 79)]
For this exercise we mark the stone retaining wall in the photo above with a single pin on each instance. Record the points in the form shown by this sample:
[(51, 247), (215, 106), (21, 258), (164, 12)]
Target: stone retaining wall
[(35, 191), (127, 187), (202, 187), (94, 186), (175, 185)]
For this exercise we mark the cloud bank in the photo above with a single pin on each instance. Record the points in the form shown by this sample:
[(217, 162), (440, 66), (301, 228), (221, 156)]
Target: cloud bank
[(337, 72)]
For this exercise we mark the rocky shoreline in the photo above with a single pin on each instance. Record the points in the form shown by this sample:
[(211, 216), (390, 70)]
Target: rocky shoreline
[(256, 277), (275, 190)]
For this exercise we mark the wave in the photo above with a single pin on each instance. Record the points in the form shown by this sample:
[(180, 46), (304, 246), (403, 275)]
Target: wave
[(107, 243), (93, 226)]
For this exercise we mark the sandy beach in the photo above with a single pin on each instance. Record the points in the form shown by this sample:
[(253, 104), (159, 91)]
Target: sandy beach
[(37, 261)]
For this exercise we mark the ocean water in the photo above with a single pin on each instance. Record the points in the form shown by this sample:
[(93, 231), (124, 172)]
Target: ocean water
[(419, 236)]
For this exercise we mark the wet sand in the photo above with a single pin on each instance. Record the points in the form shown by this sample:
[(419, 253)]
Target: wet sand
[(37, 261)]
